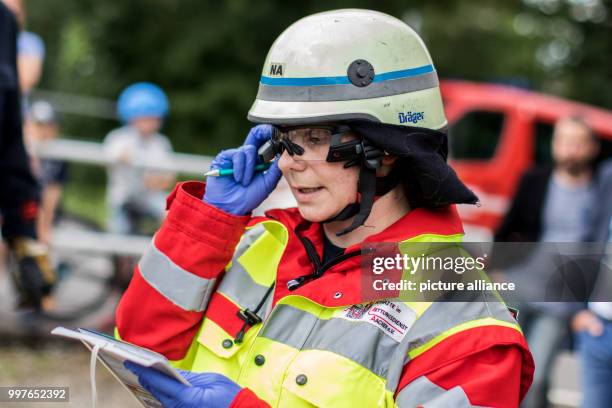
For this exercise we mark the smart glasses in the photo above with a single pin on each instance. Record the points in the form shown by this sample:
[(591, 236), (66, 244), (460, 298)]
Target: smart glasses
[(313, 143)]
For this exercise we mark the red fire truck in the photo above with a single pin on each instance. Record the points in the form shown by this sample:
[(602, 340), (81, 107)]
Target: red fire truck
[(496, 132)]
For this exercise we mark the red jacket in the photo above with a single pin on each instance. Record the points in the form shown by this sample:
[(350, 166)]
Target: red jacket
[(491, 365)]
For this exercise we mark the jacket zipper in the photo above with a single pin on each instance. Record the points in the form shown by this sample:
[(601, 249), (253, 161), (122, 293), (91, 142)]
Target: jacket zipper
[(311, 251)]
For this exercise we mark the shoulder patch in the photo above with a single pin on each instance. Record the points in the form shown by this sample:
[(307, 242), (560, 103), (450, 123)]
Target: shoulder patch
[(392, 318)]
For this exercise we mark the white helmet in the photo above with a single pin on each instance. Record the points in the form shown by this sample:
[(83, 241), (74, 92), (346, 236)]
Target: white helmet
[(349, 64), (373, 73)]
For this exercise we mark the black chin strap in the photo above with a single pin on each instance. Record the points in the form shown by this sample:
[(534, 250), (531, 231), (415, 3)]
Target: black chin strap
[(348, 211), (369, 187), (383, 186)]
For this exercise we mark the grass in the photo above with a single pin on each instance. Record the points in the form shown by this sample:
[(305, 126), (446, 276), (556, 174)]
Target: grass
[(86, 201)]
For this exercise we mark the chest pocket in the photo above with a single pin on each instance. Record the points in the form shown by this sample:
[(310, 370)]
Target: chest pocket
[(245, 286), (319, 378), (215, 349), (343, 357)]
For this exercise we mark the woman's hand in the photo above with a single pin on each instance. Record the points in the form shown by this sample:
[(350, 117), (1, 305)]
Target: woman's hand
[(207, 390), (243, 192)]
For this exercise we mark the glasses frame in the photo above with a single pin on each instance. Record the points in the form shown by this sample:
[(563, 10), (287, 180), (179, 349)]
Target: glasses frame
[(338, 150)]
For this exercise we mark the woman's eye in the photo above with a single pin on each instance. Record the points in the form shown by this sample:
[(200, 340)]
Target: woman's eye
[(314, 140)]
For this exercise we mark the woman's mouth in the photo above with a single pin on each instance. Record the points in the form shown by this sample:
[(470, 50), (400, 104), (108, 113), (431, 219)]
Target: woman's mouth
[(303, 194), (308, 190)]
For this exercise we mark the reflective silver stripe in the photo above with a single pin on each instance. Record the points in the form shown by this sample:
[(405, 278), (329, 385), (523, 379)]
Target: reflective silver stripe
[(422, 392), (398, 361), (358, 341), (289, 326), (184, 289), (267, 307), (438, 318), (346, 92), (443, 316), (238, 285), (301, 120), (248, 239)]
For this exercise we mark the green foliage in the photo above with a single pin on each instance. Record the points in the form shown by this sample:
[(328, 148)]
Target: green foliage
[(85, 198), (208, 54)]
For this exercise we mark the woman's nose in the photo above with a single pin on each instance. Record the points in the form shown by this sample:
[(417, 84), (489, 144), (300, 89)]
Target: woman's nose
[(289, 162)]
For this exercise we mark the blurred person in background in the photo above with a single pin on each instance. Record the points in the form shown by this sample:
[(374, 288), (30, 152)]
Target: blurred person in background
[(30, 51), (552, 204), (134, 192), (19, 191), (593, 326), (42, 126)]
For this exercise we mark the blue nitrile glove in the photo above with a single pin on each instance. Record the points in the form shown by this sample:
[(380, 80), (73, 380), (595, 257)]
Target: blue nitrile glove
[(209, 389), (244, 191)]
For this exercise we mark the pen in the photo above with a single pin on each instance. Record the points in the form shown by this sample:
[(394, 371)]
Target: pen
[(229, 172)]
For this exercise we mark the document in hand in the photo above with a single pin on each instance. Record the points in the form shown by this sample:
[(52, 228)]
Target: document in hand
[(112, 353)]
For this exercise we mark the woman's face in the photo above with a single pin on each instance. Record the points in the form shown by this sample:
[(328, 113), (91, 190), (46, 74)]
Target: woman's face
[(321, 189)]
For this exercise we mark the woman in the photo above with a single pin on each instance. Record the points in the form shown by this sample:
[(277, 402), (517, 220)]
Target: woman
[(273, 310)]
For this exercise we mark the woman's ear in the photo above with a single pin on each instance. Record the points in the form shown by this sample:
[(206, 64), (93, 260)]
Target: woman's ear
[(387, 165), (388, 159)]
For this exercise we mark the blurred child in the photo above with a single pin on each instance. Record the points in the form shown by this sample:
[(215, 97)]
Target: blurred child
[(42, 126), (135, 192)]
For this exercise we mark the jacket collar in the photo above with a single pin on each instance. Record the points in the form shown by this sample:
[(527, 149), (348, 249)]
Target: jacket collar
[(341, 285)]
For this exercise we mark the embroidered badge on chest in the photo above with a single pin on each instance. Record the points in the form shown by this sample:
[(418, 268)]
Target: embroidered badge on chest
[(393, 319)]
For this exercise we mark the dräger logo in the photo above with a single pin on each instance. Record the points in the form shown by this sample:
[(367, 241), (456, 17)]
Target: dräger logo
[(410, 117)]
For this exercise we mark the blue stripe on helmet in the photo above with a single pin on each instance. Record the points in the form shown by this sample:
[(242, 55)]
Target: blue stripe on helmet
[(404, 73), (344, 80)]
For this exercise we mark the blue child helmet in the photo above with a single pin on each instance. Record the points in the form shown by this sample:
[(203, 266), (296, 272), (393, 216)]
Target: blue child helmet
[(142, 99)]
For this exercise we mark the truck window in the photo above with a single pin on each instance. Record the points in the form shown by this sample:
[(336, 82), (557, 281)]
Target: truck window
[(475, 135), (543, 137), (605, 149)]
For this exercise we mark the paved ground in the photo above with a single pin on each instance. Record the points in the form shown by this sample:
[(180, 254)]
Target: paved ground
[(60, 364), (82, 300)]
